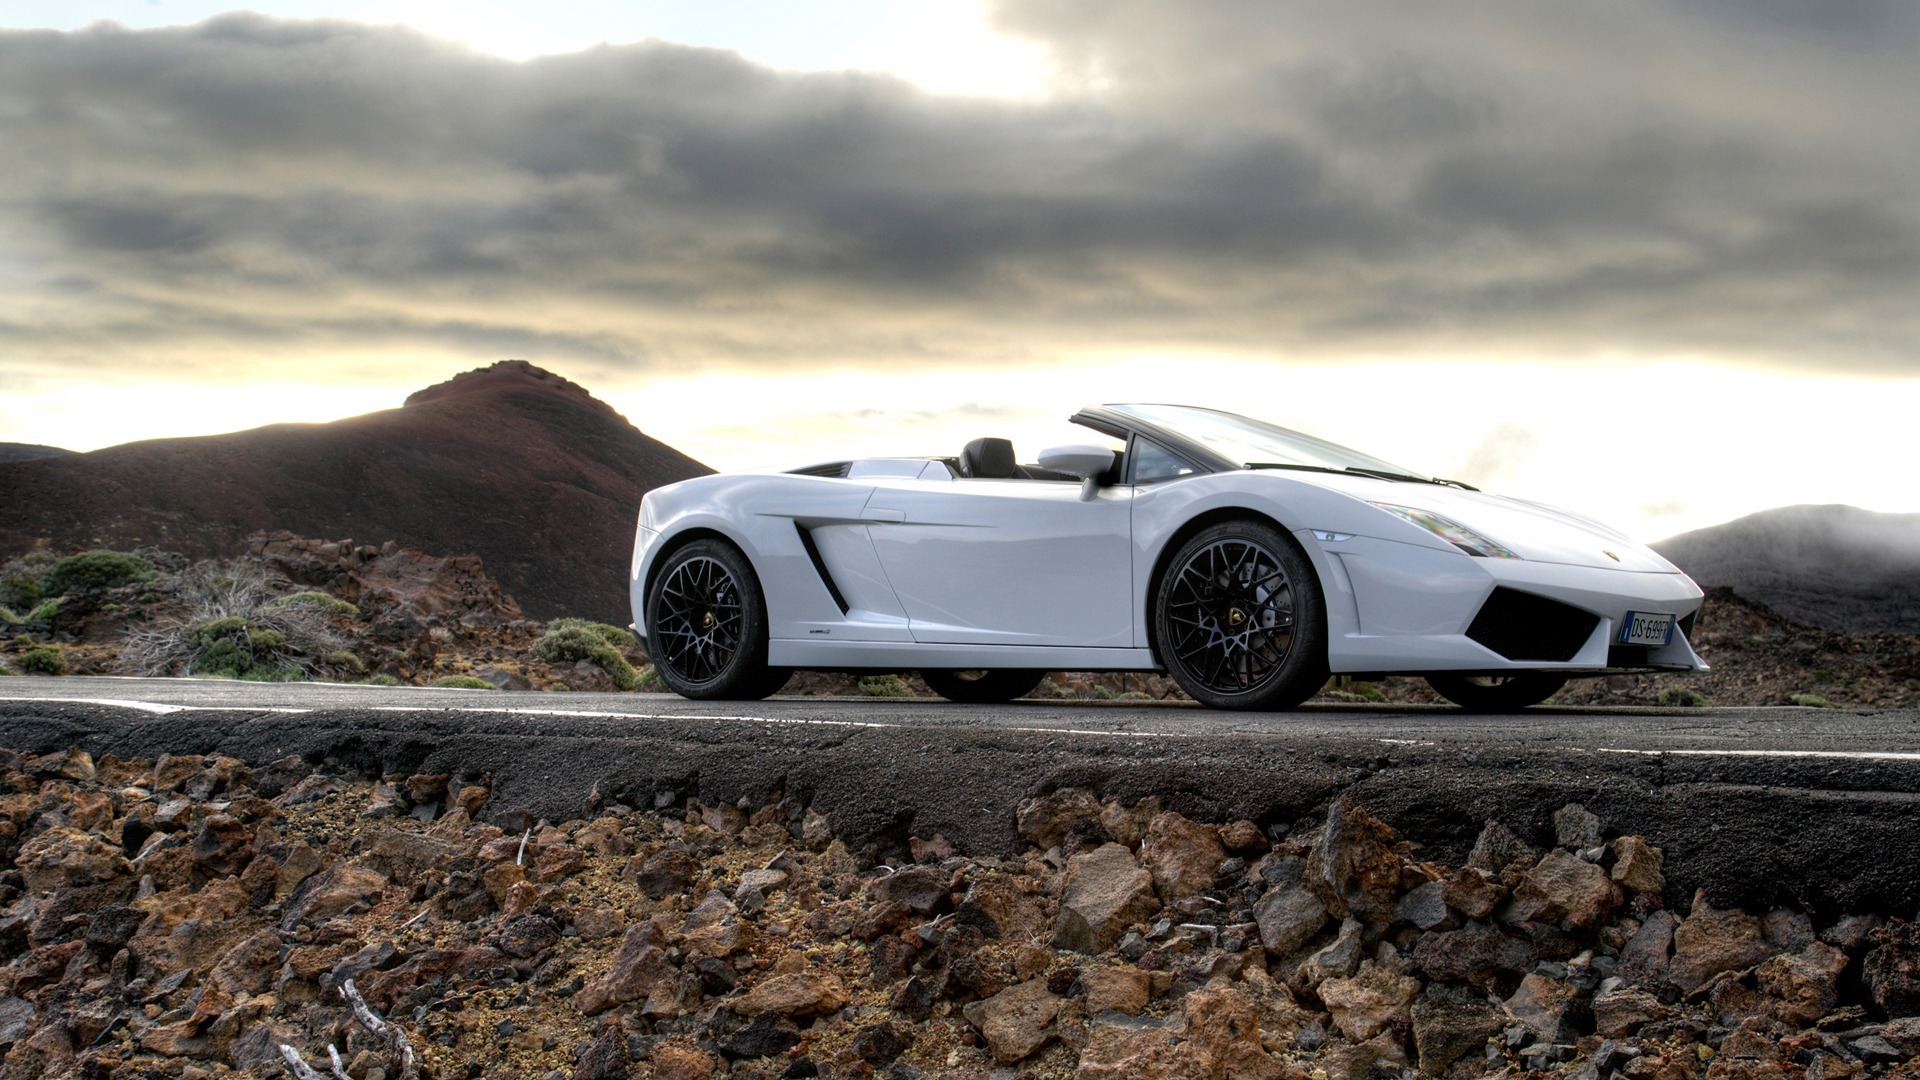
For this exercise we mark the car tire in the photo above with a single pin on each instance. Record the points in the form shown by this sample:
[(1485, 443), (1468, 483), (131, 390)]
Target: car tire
[(1239, 620), (707, 625), (983, 687), (1496, 693)]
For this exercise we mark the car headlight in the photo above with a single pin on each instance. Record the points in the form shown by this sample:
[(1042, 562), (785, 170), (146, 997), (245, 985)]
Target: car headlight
[(1449, 530)]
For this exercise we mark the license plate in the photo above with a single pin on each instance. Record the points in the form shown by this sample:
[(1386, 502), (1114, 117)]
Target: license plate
[(1646, 628)]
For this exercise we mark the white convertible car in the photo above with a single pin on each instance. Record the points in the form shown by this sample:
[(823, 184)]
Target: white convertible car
[(1249, 561)]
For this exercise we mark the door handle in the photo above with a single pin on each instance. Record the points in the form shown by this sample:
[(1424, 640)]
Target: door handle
[(883, 517)]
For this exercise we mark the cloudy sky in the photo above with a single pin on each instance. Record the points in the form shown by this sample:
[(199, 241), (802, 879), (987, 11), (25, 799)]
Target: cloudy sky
[(1658, 260)]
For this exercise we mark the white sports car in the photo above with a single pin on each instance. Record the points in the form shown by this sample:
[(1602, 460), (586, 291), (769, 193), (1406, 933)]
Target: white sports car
[(1249, 561)]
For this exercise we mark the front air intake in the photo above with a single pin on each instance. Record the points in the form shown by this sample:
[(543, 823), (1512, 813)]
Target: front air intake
[(1522, 626)]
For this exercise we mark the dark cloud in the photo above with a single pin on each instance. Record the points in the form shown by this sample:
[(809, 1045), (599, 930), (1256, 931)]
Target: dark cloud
[(1709, 178)]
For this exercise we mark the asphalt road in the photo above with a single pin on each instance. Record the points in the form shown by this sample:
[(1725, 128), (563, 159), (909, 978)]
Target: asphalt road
[(1814, 807)]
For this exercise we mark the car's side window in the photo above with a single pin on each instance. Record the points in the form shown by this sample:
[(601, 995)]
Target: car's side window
[(1153, 463)]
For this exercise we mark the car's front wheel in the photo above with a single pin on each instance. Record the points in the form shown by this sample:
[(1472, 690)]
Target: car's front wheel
[(707, 625), (978, 687), (1496, 693), (1239, 619)]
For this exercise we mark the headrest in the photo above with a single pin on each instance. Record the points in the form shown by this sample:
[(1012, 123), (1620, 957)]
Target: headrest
[(988, 459)]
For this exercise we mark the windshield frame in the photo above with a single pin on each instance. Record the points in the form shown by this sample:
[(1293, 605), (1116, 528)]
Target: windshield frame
[(1203, 438)]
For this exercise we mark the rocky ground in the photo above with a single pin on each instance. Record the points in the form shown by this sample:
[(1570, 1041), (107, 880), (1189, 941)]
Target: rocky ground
[(417, 618), (190, 917)]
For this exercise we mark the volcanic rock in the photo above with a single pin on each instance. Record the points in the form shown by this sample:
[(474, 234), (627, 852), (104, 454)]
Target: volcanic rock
[(1181, 856), (1711, 941), (1106, 891), (1449, 1022)]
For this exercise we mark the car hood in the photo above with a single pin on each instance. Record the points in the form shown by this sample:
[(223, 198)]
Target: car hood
[(1533, 531)]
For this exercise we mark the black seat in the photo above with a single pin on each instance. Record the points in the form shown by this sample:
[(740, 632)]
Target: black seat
[(989, 459)]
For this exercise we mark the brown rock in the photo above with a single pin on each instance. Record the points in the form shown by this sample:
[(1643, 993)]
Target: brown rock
[(1478, 955), (1243, 837), (1016, 1021), (1803, 986), (340, 889), (403, 855), (1624, 1011), (1127, 825), (1891, 969), (1473, 893), (1563, 890), (1711, 941), (637, 967), (1223, 1028), (427, 789), (1116, 989), (557, 862), (1545, 1006), (1000, 909), (1354, 865), (1450, 1022), (1048, 820), (223, 847), (1369, 1001), (1636, 866), (678, 1061), (1181, 855), (63, 858), (470, 799), (919, 888), (72, 763), (249, 967), (1105, 893), (605, 836), (663, 872), (797, 994)]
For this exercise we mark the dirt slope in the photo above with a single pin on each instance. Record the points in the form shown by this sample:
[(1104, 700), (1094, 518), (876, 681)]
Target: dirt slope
[(510, 462)]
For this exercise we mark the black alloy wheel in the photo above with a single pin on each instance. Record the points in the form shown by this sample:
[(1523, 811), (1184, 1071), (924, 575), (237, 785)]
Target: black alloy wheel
[(1497, 693), (979, 687), (707, 625), (1239, 619)]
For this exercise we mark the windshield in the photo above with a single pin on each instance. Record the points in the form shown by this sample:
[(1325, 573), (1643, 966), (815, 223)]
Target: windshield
[(1253, 443)]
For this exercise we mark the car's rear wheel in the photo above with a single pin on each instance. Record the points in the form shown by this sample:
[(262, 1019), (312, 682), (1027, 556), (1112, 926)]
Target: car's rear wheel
[(983, 687), (1239, 620), (707, 625), (1496, 693)]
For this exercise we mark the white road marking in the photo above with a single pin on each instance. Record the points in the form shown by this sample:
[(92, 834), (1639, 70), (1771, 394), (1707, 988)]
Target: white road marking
[(1851, 755), (161, 709), (158, 708)]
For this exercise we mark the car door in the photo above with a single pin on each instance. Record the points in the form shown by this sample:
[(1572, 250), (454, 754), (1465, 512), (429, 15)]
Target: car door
[(1006, 562)]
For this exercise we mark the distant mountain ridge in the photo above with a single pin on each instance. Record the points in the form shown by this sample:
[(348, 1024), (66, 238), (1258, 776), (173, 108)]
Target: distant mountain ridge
[(20, 451), (510, 462), (1835, 567)]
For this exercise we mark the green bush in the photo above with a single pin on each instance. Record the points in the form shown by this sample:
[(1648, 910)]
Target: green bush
[(1810, 701), (885, 686), (384, 679), (45, 611), (1680, 697), (234, 648), (20, 579), (44, 660), (461, 682), (341, 658), (574, 643), (7, 616), (314, 600), (96, 569), (611, 634)]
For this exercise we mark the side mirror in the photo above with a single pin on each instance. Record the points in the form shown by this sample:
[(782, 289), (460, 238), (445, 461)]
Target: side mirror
[(1089, 463)]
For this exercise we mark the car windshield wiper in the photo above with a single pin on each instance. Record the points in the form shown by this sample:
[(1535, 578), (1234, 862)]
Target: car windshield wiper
[(1383, 474)]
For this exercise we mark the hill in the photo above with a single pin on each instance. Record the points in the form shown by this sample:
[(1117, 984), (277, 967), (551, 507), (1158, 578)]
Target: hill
[(510, 462), (20, 451), (1835, 567)]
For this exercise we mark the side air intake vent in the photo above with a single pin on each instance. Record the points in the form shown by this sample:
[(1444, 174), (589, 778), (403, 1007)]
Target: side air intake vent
[(1522, 626)]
